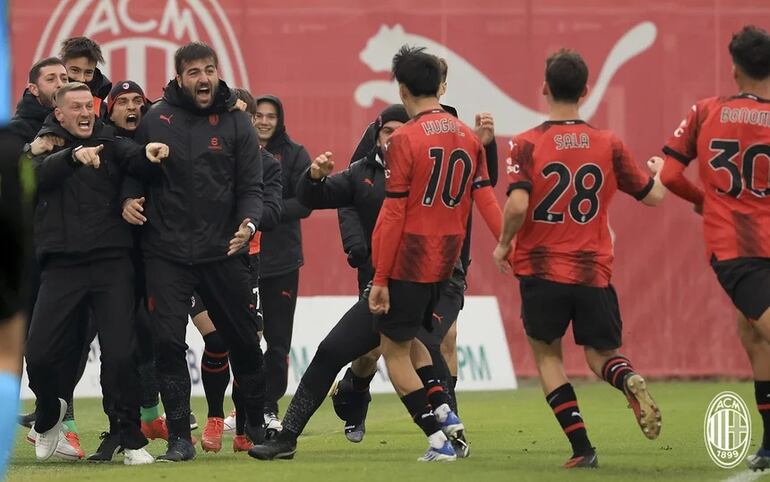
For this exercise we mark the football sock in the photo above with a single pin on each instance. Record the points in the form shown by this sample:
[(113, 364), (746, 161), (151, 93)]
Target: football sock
[(215, 373), (452, 383), (149, 414), (417, 405), (360, 384), (434, 391), (615, 371), (9, 405), (564, 404), (762, 394)]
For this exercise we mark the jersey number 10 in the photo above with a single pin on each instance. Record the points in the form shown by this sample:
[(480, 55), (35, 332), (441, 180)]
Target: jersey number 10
[(457, 156)]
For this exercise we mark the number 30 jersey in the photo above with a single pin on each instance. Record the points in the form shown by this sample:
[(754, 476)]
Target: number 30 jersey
[(434, 163), (730, 138), (571, 171)]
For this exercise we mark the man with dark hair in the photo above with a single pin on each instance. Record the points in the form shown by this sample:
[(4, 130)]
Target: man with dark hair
[(281, 254), (188, 239), (441, 341), (215, 370), (728, 136), (80, 56), (563, 176), (419, 235), (84, 259)]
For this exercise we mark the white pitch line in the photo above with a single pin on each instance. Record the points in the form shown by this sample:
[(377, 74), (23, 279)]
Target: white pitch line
[(745, 476)]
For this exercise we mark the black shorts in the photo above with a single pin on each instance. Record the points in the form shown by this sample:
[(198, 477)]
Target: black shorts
[(747, 283), (411, 307), (547, 307), (446, 311), (196, 305)]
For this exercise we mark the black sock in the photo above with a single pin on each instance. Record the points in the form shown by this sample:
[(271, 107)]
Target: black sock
[(563, 402), (452, 383), (433, 388), (762, 394), (215, 373), (240, 410), (70, 413), (303, 405), (417, 405), (360, 384), (615, 371)]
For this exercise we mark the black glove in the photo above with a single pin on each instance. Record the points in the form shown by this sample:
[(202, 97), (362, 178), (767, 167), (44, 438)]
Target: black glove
[(358, 256)]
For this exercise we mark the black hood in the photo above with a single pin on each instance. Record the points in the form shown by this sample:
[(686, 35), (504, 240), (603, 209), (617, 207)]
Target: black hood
[(223, 101), (30, 115), (449, 109), (100, 85), (52, 126), (280, 136)]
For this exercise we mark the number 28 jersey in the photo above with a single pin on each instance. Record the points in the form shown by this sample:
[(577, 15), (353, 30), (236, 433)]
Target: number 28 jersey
[(571, 171), (730, 138)]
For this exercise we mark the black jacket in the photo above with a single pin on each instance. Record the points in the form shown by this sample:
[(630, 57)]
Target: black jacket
[(211, 181), (349, 220), (17, 179), (282, 247), (361, 187), (100, 85), (78, 211), (273, 196)]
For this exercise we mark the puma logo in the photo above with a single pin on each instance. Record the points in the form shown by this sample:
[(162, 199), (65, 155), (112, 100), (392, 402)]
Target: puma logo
[(474, 92), (438, 318), (166, 118), (287, 294), (576, 414), (368, 181)]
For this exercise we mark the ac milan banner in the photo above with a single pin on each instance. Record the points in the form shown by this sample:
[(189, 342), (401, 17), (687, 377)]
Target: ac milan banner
[(329, 62)]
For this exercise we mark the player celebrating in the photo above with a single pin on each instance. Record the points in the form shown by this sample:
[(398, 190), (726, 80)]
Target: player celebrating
[(435, 164), (563, 175), (729, 137)]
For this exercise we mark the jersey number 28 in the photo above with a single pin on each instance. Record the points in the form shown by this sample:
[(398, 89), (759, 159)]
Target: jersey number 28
[(584, 204)]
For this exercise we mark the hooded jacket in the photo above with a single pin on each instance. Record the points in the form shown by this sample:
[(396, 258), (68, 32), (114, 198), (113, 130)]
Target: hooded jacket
[(100, 85), (361, 188), (210, 183), (282, 247), (29, 117), (78, 208)]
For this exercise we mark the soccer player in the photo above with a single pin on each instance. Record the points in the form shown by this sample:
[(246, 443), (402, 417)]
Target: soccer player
[(563, 175), (188, 242), (282, 254), (730, 139), (435, 168), (92, 267), (351, 394)]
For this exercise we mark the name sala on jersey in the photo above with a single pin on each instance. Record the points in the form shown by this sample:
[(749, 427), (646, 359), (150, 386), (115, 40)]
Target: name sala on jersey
[(571, 140)]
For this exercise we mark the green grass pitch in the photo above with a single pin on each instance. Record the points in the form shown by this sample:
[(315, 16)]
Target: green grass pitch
[(513, 436)]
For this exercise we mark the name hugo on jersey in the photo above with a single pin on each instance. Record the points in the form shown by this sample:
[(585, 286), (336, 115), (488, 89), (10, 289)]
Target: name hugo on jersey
[(439, 126)]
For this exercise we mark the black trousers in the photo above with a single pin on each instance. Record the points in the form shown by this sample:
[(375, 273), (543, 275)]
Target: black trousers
[(279, 300), (353, 336), (225, 288), (56, 338)]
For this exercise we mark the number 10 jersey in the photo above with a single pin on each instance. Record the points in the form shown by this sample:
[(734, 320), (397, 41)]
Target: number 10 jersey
[(571, 171)]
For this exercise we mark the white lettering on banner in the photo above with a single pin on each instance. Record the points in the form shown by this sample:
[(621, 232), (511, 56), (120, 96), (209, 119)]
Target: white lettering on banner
[(484, 362), (114, 24)]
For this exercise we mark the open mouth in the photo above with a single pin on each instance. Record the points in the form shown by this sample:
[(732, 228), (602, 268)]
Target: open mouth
[(204, 92), (132, 120), (84, 125)]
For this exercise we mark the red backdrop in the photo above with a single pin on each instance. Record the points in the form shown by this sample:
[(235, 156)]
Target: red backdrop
[(677, 320)]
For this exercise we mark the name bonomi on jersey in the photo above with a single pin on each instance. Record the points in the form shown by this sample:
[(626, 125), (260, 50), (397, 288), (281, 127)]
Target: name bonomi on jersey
[(572, 140)]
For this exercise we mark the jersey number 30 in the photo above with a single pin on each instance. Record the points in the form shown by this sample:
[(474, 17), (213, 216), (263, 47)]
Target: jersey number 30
[(584, 204), (458, 156)]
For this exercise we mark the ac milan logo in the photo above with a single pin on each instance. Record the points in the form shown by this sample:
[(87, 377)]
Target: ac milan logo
[(125, 86), (214, 119), (139, 37)]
